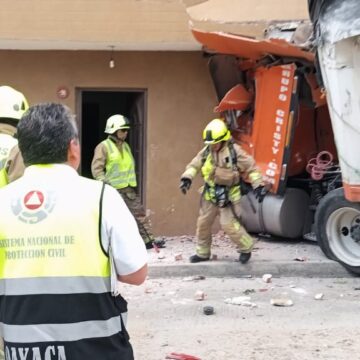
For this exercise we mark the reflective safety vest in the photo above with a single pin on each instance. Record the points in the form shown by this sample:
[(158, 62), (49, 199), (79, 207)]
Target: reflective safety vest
[(55, 283), (120, 165), (207, 169), (7, 142)]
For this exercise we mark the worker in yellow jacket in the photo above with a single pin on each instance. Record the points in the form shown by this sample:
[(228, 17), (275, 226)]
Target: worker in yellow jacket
[(113, 163), (13, 104), (222, 164)]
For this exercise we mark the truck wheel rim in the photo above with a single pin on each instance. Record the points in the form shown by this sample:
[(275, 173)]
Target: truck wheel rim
[(343, 233)]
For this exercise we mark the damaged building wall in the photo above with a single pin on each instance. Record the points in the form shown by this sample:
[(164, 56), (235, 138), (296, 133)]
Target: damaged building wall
[(180, 99)]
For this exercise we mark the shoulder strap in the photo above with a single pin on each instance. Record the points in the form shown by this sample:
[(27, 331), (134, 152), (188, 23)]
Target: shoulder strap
[(205, 154), (100, 217), (232, 153)]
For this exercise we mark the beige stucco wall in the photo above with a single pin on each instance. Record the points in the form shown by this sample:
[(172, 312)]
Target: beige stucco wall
[(180, 102)]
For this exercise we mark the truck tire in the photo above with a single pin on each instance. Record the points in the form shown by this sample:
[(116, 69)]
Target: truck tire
[(337, 227)]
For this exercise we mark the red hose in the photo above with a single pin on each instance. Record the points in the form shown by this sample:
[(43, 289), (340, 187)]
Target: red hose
[(318, 166)]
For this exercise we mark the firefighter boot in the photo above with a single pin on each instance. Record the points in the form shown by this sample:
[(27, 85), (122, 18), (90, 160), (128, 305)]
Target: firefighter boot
[(244, 257), (195, 259)]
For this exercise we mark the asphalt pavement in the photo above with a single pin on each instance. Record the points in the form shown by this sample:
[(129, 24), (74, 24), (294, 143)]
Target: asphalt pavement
[(280, 258)]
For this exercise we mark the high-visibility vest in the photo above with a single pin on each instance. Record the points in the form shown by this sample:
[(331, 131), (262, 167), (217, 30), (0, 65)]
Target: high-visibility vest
[(7, 142), (55, 276), (207, 169), (120, 165)]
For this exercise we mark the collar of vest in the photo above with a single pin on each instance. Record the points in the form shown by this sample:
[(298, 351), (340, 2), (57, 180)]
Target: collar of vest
[(114, 139), (54, 169)]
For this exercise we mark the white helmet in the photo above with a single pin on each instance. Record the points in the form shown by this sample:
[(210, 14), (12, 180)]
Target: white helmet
[(116, 122), (12, 103)]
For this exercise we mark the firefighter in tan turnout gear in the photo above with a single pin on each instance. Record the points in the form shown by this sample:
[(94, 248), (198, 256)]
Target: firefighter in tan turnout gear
[(113, 163), (13, 104), (223, 164)]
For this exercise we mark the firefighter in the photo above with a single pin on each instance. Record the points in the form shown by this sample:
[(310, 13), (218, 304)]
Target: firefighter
[(114, 164), (63, 250), (13, 104), (223, 164)]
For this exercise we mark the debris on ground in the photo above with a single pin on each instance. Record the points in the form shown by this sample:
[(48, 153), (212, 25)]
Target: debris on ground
[(299, 290), (178, 257), (301, 258), (200, 295), (240, 300), (161, 255), (214, 257), (194, 278), (208, 310), (281, 302), (267, 278), (319, 296), (248, 291), (181, 356)]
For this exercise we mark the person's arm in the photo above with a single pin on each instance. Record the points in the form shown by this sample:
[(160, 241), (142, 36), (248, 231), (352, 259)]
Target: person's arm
[(98, 162), (248, 169), (136, 278), (15, 164), (120, 231), (194, 166)]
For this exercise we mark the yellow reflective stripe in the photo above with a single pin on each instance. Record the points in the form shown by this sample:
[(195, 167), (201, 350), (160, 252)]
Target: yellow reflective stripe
[(203, 251), (255, 175), (3, 178), (246, 242)]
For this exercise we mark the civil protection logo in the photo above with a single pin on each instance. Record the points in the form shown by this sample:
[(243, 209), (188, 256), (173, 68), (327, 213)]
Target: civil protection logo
[(34, 206)]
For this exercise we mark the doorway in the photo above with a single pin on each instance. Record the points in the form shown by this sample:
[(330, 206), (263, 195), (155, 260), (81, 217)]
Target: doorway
[(95, 106)]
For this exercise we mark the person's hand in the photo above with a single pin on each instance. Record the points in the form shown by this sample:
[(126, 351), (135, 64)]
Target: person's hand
[(185, 184), (260, 192)]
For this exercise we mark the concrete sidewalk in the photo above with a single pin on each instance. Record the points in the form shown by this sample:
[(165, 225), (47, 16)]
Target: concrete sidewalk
[(281, 258)]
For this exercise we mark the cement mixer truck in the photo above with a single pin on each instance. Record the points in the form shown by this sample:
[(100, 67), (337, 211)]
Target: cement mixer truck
[(295, 106)]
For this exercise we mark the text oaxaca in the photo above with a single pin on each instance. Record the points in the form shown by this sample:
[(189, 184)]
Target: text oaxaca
[(34, 353)]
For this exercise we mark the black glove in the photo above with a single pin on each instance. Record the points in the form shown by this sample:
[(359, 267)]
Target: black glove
[(185, 184), (260, 192)]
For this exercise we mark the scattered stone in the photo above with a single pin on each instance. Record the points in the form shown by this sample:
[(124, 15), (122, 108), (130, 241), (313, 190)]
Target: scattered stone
[(161, 255), (240, 300), (194, 278), (301, 258), (299, 290), (319, 296), (208, 310), (249, 291), (267, 278), (281, 302), (357, 288), (178, 257), (200, 295)]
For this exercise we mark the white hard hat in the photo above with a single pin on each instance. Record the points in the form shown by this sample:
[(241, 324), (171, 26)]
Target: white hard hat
[(13, 103), (116, 122)]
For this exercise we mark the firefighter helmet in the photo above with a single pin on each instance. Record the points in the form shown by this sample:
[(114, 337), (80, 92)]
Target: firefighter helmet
[(13, 103), (215, 131), (116, 122)]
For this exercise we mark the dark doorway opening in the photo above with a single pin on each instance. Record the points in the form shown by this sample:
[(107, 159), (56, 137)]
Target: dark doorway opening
[(95, 107)]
